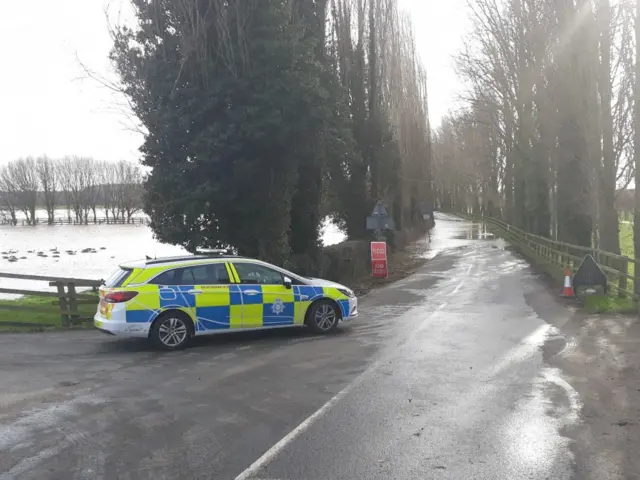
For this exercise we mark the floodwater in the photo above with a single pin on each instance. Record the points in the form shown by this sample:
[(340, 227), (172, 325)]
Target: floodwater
[(110, 244), (452, 232)]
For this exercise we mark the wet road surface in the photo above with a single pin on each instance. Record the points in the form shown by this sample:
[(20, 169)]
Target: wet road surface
[(447, 374)]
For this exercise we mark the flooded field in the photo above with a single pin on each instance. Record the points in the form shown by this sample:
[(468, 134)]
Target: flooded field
[(34, 250)]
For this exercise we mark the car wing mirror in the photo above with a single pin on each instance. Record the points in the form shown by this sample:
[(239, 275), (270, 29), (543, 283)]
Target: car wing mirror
[(287, 282)]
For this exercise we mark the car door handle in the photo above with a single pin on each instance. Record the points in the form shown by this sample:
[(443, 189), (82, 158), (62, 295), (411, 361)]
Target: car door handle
[(194, 292), (251, 292)]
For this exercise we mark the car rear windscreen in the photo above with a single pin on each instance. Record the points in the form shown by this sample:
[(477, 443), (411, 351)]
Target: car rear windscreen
[(117, 278)]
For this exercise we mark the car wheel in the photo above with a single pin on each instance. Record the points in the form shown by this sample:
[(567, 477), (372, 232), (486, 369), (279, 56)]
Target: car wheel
[(172, 331), (323, 317)]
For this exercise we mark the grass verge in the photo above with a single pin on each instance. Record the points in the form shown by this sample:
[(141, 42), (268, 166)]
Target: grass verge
[(25, 320), (609, 304), (626, 239)]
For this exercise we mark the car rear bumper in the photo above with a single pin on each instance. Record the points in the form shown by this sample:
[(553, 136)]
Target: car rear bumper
[(121, 328)]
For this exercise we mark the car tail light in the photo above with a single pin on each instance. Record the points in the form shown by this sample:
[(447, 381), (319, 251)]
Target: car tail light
[(119, 297)]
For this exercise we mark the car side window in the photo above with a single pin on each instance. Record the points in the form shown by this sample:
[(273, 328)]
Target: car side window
[(212, 274), (251, 273), (166, 278)]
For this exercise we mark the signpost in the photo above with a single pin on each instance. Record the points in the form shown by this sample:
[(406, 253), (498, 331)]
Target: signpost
[(589, 274), (427, 215), (379, 221), (379, 259)]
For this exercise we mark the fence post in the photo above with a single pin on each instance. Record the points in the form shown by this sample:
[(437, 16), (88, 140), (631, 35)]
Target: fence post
[(73, 303), (622, 282), (62, 300)]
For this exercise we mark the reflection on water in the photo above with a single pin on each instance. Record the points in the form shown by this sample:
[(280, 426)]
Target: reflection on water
[(453, 232), (110, 244)]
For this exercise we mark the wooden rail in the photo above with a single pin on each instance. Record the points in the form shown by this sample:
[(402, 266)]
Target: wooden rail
[(560, 254), (65, 297)]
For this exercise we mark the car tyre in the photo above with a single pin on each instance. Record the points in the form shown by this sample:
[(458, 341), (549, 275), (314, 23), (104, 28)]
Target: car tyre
[(171, 331), (323, 317)]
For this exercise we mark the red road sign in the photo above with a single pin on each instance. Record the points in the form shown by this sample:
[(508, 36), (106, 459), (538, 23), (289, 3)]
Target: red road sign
[(379, 268), (379, 259), (378, 250)]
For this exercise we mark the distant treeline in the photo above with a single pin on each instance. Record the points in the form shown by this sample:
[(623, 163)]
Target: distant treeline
[(82, 185)]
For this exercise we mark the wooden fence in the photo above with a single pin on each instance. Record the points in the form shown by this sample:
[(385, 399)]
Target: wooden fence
[(559, 255), (5, 221), (65, 297)]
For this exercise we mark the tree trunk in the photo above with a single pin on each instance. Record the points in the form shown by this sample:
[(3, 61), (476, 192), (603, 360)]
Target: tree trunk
[(636, 211), (609, 231), (574, 168)]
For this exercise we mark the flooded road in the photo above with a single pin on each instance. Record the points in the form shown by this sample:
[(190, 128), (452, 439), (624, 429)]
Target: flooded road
[(461, 389), (451, 373)]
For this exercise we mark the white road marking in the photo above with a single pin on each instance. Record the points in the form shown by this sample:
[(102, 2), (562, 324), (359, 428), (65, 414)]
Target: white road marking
[(271, 454), (455, 290), (253, 469), (459, 286)]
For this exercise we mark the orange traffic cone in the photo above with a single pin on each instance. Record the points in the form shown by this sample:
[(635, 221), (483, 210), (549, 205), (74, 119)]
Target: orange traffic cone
[(568, 289)]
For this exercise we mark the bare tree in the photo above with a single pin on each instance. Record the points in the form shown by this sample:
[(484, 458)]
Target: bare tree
[(8, 195), (23, 175), (90, 179), (110, 191), (549, 93), (73, 177), (129, 184), (48, 176), (65, 168), (636, 94), (376, 61)]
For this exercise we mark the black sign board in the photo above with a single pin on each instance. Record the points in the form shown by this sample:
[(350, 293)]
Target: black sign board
[(380, 210), (380, 218), (589, 275)]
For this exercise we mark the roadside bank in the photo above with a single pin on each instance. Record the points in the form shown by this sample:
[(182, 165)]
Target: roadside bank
[(601, 354)]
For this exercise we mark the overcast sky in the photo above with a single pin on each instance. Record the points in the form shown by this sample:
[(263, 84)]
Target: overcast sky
[(48, 108)]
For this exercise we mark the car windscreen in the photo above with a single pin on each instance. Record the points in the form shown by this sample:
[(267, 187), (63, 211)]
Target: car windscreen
[(117, 278)]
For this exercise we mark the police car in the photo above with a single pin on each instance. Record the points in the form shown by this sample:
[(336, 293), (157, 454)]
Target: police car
[(171, 300)]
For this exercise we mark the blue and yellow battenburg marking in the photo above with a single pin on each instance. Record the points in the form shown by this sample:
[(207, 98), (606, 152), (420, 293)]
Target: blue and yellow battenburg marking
[(222, 307)]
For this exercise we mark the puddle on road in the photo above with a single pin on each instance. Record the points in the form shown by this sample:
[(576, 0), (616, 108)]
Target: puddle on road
[(531, 435), (476, 231), (451, 233)]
